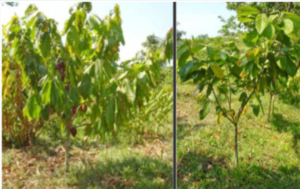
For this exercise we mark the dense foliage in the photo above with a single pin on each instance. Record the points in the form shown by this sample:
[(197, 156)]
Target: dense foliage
[(76, 81)]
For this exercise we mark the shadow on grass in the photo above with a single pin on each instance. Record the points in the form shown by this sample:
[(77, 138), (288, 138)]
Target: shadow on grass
[(133, 172), (200, 170), (184, 129), (281, 124)]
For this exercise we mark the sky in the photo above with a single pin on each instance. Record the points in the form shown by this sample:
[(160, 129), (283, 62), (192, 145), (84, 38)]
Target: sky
[(201, 17), (139, 19)]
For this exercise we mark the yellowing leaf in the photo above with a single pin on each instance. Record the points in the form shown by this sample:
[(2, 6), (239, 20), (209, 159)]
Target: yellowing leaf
[(256, 51), (245, 109), (230, 113), (242, 75), (217, 71), (235, 120), (219, 117)]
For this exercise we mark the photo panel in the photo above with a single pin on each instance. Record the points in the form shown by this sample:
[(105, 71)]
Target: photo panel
[(238, 94), (87, 94)]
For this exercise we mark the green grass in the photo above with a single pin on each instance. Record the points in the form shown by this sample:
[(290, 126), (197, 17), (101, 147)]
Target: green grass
[(268, 152), (93, 165), (132, 159)]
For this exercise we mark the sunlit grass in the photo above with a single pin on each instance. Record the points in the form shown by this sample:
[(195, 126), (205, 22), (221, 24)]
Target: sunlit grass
[(268, 152)]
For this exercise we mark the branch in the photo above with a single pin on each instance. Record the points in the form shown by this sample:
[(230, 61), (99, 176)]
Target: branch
[(229, 86), (249, 97), (224, 113)]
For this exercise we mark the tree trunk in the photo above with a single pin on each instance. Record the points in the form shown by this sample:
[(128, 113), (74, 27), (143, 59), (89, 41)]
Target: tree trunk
[(270, 107), (67, 142), (236, 145), (273, 105)]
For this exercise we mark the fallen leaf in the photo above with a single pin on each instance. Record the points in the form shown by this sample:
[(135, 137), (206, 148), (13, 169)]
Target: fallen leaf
[(216, 136)]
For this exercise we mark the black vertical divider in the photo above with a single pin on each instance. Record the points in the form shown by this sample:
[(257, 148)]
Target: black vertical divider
[(174, 98)]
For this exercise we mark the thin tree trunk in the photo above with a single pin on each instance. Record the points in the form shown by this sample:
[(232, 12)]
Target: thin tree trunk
[(67, 142), (270, 107), (273, 106), (236, 145)]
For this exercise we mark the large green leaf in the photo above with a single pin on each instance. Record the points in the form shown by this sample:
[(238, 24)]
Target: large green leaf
[(261, 23), (281, 62), (291, 67), (46, 92), (217, 71), (246, 11), (205, 110), (110, 113), (210, 52), (85, 87), (255, 109), (95, 113), (129, 90), (45, 45), (31, 9), (269, 32), (185, 70), (68, 24), (33, 108), (295, 19), (288, 26)]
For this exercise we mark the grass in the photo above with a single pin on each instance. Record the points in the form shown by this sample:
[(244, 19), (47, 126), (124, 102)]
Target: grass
[(268, 152), (132, 160)]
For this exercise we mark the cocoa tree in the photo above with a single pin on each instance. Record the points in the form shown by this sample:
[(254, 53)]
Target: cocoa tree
[(78, 80), (265, 52)]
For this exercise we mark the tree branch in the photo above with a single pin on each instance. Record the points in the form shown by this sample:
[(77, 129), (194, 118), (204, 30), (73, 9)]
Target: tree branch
[(249, 97), (229, 86), (224, 113)]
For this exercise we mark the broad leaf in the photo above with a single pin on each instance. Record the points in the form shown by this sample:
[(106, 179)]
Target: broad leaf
[(261, 23), (217, 71), (205, 110)]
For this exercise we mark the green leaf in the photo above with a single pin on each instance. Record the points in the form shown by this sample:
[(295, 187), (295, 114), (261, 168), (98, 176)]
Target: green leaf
[(291, 67), (95, 113), (129, 90), (243, 97), (68, 24), (205, 110), (85, 87), (288, 26), (295, 19), (272, 17), (246, 11), (46, 92), (244, 19), (281, 62), (110, 113), (217, 71), (33, 108), (255, 109), (210, 52), (185, 70), (31, 9), (269, 32), (261, 23), (45, 45)]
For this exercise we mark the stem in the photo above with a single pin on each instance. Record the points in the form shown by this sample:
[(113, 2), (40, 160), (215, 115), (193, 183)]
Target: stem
[(273, 105), (236, 145), (254, 89), (67, 147), (270, 107), (229, 86), (224, 113)]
